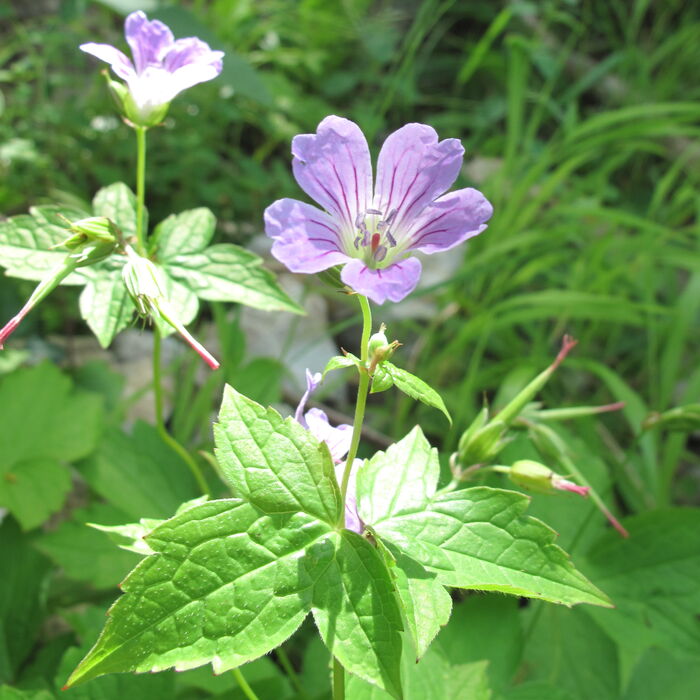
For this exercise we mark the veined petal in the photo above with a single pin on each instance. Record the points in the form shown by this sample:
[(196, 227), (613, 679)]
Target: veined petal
[(393, 282), (413, 169), (195, 73), (449, 220), (119, 62), (352, 519), (149, 40), (333, 167), (305, 238), (312, 383), (337, 439), (152, 89), (185, 52)]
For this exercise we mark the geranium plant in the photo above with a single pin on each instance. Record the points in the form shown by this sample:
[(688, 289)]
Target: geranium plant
[(370, 547)]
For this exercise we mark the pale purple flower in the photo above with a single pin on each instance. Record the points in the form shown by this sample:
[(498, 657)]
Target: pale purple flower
[(162, 67), (338, 440), (374, 230)]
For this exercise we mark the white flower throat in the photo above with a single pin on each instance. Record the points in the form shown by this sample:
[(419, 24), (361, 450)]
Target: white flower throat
[(374, 235)]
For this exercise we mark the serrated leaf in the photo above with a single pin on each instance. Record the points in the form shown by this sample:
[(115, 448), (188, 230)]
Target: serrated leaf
[(476, 538), (185, 233), (274, 463), (416, 388), (227, 584), (425, 601), (383, 492), (118, 203), (341, 362), (43, 423), (226, 272), (105, 305), (348, 599), (26, 244)]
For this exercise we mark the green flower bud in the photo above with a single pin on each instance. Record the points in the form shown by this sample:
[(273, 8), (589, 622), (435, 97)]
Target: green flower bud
[(483, 444), (534, 476)]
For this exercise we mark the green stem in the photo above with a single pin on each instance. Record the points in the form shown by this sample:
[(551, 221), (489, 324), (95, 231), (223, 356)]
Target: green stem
[(338, 680), (291, 673), (140, 187), (247, 690), (362, 391), (160, 424)]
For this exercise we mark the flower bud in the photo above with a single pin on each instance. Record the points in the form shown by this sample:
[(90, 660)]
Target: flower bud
[(379, 349), (93, 240), (534, 476), (483, 444)]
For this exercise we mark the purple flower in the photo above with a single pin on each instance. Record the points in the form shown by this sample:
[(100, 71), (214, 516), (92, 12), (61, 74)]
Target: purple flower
[(162, 67), (338, 440), (374, 231)]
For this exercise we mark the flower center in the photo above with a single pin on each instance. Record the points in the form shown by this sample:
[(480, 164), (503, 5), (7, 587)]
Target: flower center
[(374, 237)]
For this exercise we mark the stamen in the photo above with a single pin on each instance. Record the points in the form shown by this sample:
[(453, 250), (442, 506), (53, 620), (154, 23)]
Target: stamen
[(380, 253), (390, 217), (390, 239), (376, 212)]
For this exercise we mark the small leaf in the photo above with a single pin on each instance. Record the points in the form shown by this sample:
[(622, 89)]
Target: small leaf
[(225, 272), (276, 464), (415, 388), (212, 593), (381, 381), (348, 599), (185, 233), (341, 362), (105, 305), (118, 203)]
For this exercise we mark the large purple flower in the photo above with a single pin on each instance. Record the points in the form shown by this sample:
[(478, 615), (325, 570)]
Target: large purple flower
[(374, 231), (338, 440), (162, 67)]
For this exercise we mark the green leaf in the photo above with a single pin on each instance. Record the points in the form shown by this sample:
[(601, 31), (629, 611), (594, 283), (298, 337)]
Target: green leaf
[(26, 243), (43, 423), (273, 462), (357, 615), (105, 305), (118, 203), (426, 603), (476, 538), (381, 381), (651, 578), (227, 584), (225, 272), (185, 233), (341, 362), (139, 473), (9, 693), (415, 388), (86, 554), (22, 597)]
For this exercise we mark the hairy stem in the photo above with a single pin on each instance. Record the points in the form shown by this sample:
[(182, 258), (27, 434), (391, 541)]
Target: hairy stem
[(160, 423), (140, 187), (362, 390)]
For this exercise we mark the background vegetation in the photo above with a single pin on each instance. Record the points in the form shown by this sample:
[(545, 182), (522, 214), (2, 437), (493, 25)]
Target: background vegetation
[(581, 122)]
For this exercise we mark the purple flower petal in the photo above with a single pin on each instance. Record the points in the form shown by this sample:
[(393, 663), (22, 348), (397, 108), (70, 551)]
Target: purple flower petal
[(185, 52), (394, 282), (333, 167), (306, 238), (149, 40), (450, 220), (413, 169), (119, 62), (337, 439), (312, 382), (352, 519)]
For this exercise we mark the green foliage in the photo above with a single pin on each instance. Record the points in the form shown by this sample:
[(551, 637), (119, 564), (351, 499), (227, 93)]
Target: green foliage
[(45, 424)]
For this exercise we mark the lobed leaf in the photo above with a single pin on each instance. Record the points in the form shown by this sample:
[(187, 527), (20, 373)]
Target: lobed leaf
[(105, 305), (185, 233), (273, 462), (227, 584)]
